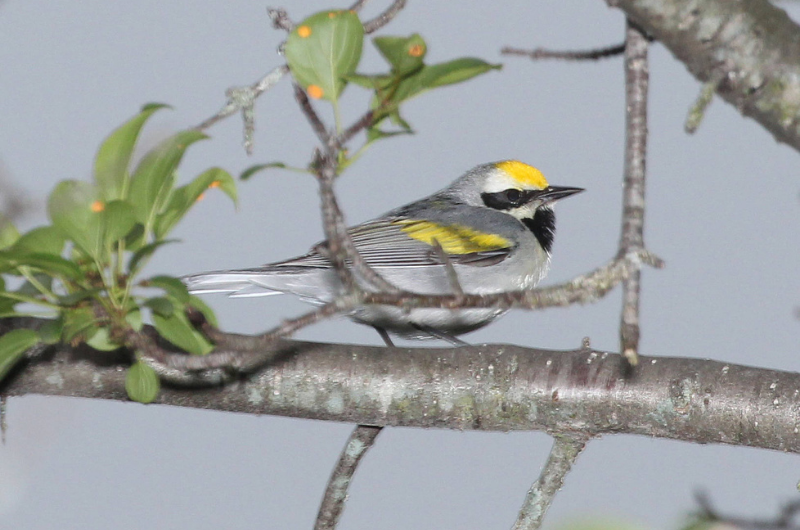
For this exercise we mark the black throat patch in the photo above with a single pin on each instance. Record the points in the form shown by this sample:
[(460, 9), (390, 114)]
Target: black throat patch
[(543, 226)]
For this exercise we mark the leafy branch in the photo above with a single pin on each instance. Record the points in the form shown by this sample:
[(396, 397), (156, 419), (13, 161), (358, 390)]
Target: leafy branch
[(83, 271)]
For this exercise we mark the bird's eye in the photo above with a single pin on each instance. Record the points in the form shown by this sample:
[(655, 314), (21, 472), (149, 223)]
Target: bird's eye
[(513, 195)]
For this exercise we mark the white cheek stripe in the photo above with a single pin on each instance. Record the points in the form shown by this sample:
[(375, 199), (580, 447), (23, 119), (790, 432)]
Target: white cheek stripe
[(524, 212), (499, 181)]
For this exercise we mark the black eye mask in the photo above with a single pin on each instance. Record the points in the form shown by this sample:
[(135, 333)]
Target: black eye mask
[(508, 199)]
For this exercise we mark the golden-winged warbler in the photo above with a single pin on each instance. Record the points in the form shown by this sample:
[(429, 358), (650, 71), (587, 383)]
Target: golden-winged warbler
[(495, 225)]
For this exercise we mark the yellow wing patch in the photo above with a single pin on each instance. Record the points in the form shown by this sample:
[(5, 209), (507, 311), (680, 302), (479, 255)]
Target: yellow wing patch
[(523, 173), (454, 239)]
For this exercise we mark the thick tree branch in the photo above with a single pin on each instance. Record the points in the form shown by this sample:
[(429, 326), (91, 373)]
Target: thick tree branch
[(752, 46), (485, 387)]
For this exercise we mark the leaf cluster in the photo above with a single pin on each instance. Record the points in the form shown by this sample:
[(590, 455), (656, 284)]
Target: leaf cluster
[(82, 271), (323, 53)]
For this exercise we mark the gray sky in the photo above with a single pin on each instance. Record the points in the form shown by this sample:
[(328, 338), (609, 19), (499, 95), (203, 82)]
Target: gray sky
[(723, 212)]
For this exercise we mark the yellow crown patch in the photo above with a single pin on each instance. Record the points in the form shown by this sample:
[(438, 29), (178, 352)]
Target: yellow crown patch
[(454, 239), (523, 173)]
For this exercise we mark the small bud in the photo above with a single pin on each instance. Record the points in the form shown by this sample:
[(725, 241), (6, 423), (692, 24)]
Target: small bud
[(416, 50)]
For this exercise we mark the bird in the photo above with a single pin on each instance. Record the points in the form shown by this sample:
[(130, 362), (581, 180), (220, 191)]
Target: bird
[(493, 226)]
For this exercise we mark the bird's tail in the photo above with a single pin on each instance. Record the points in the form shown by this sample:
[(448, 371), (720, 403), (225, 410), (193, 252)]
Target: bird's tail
[(309, 283)]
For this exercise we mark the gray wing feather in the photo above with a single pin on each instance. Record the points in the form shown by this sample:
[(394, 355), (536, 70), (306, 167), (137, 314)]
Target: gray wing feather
[(383, 244)]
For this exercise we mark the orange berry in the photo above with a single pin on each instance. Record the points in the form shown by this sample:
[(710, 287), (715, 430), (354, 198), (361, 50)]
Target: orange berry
[(304, 31), (315, 92), (98, 206), (416, 50)]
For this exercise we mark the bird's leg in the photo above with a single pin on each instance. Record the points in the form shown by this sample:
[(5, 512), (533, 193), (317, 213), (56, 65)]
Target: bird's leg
[(441, 335), (385, 336)]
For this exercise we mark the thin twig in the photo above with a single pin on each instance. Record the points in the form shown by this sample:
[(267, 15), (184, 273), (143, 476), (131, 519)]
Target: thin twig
[(358, 5), (311, 115), (581, 290), (632, 233), (452, 275), (3, 423), (563, 454), (280, 19), (384, 18), (361, 439), (364, 122), (783, 521), (238, 354), (221, 365), (333, 224), (582, 55), (698, 110), (340, 246), (342, 249), (233, 105), (243, 99)]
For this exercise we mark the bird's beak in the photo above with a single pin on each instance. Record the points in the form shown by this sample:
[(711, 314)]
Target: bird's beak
[(555, 193)]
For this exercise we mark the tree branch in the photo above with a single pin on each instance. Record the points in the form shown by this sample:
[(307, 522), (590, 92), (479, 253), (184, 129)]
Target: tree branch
[(563, 454), (371, 26), (361, 440), (563, 55), (585, 391), (750, 45), (243, 99), (637, 76)]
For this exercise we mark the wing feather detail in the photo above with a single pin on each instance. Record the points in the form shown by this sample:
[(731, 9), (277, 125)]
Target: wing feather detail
[(409, 243)]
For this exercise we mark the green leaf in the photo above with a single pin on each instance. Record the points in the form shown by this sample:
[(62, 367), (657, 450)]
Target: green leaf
[(71, 299), (114, 156), (119, 220), (142, 383), (8, 232), (47, 263), (455, 71), (179, 331), (172, 286), (13, 346), (79, 323), (374, 82), (405, 54), (161, 305), (323, 49), (374, 134), (134, 318), (30, 290), (51, 331), (46, 239), (145, 252), (437, 75), (185, 197), (152, 181), (252, 170), (75, 209), (135, 239), (101, 341), (201, 306)]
